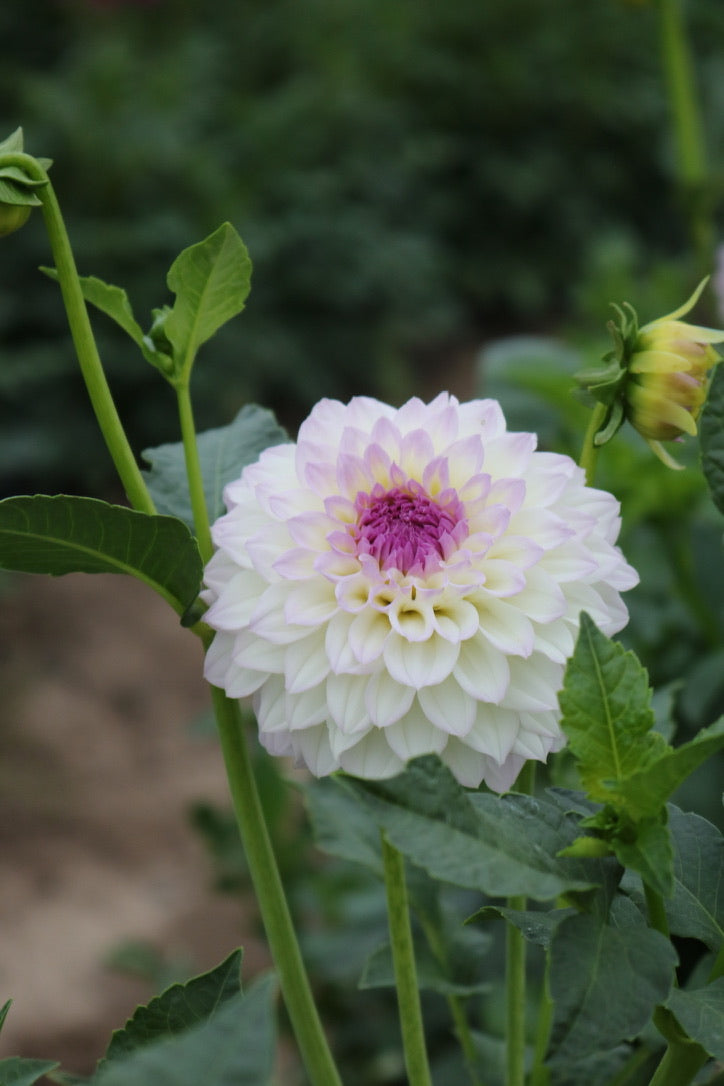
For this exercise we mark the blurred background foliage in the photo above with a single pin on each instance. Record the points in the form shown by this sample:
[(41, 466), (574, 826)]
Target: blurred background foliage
[(412, 179)]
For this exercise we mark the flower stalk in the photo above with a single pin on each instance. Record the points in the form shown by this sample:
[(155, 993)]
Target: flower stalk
[(83, 339), (403, 958), (269, 891)]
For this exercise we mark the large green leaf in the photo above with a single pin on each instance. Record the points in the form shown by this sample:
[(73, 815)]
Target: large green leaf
[(223, 452), (607, 715), (605, 982), (341, 825), (62, 534), (19, 1072), (648, 851), (211, 281), (711, 436), (178, 1008), (464, 971), (701, 1015), (500, 845), (233, 1046), (537, 926)]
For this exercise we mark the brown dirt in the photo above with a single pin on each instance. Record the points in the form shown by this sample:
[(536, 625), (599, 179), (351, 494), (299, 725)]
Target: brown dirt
[(99, 765)]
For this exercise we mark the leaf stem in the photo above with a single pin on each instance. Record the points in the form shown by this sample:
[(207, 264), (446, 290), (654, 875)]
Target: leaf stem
[(589, 452), (193, 471), (83, 340), (679, 1064), (656, 910), (403, 958), (270, 895), (539, 1074)]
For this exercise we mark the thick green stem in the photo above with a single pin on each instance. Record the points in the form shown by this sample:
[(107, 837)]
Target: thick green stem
[(403, 958), (83, 340), (539, 1073), (679, 1065), (589, 452), (193, 472), (687, 125), (656, 910), (270, 896), (515, 977)]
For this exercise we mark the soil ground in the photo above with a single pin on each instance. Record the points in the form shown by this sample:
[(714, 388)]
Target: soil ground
[(99, 766)]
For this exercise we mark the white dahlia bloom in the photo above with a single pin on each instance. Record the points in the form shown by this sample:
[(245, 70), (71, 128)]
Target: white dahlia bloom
[(409, 581)]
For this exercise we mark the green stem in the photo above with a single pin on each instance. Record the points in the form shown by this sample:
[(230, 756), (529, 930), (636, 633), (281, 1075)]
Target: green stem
[(270, 895), (193, 471), (403, 958), (717, 969), (85, 345), (679, 1065), (687, 124), (589, 452), (539, 1074), (515, 978)]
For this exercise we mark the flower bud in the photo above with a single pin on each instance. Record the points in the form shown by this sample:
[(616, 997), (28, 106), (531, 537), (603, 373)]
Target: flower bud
[(668, 377), (12, 217)]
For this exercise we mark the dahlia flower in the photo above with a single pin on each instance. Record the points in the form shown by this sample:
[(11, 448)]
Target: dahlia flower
[(409, 581)]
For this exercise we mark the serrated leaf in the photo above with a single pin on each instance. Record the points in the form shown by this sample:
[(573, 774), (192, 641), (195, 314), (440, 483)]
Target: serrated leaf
[(177, 1009), (605, 982), (711, 437), (223, 453), (211, 281), (62, 534), (19, 1072), (234, 1046), (645, 792), (701, 1014), (607, 715), (500, 845)]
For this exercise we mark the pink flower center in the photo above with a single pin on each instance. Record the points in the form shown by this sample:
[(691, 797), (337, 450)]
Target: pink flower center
[(405, 529)]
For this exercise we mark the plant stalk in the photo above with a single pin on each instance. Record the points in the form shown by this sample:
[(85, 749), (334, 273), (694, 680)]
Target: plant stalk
[(679, 1065), (589, 452), (269, 890), (193, 472), (403, 958), (83, 340), (515, 974)]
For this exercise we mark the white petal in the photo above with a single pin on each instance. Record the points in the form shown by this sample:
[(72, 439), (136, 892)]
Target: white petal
[(346, 702), (420, 663), (448, 706), (501, 778), (555, 640), (372, 758), (268, 621), (534, 684), (494, 732), (313, 746), (412, 619), (386, 700), (467, 766), (337, 645), (455, 619), (541, 599), (482, 670), (254, 652), (311, 602), (307, 709), (306, 663), (503, 625), (414, 735), (368, 633), (270, 705)]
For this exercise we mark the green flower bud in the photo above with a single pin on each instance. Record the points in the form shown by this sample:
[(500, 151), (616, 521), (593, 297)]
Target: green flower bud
[(12, 217)]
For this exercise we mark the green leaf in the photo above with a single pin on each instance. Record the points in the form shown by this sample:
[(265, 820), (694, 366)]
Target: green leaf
[(61, 534), (211, 281), (650, 853), (605, 982), (223, 453), (501, 845), (12, 192), (711, 437), (701, 1014), (233, 1046), (177, 1009), (645, 792), (13, 142), (537, 927), (696, 909), (607, 714), (19, 1072), (342, 826)]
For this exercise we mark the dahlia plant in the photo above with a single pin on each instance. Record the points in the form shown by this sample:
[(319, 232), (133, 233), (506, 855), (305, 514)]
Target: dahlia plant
[(419, 604)]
